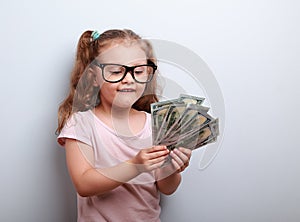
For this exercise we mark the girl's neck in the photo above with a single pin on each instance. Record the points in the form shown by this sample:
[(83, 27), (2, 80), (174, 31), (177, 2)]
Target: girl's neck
[(114, 112), (127, 122)]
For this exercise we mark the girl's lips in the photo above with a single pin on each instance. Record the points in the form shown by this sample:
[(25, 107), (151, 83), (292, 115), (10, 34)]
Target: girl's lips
[(126, 90)]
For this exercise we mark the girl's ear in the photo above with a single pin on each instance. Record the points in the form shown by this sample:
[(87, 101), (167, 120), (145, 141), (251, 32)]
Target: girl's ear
[(96, 80)]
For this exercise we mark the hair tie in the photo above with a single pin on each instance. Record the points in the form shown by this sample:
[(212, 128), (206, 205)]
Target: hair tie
[(95, 35)]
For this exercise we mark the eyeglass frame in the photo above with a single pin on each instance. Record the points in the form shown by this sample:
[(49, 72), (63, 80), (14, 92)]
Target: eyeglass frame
[(129, 69)]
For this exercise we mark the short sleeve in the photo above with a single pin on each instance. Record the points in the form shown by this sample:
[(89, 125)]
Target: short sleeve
[(78, 128)]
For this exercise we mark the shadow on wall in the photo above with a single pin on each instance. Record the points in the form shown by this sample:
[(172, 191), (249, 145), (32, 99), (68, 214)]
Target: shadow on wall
[(65, 188)]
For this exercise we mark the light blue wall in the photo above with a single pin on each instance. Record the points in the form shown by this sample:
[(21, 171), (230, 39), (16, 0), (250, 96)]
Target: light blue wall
[(253, 49)]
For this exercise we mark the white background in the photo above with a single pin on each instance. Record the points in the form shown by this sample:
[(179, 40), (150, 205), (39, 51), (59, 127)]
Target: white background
[(253, 49)]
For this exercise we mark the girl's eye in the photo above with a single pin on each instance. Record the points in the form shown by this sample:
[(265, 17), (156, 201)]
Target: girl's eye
[(115, 72), (113, 69), (138, 72)]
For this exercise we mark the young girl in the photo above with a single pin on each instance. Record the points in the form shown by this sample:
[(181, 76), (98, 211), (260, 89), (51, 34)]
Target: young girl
[(105, 126)]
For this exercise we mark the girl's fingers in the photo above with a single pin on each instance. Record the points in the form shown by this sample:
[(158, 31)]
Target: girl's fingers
[(187, 152), (181, 158), (176, 165), (157, 152), (159, 160), (157, 148), (175, 156), (154, 163)]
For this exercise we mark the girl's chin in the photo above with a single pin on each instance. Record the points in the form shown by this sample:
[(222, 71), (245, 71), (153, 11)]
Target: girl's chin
[(124, 103)]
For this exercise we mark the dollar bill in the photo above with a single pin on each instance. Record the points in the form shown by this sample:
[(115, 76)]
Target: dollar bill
[(192, 117), (156, 105), (174, 113), (194, 140), (212, 137), (158, 116), (159, 112), (183, 122), (189, 99)]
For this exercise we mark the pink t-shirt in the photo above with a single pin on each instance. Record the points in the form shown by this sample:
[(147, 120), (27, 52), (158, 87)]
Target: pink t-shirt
[(136, 200)]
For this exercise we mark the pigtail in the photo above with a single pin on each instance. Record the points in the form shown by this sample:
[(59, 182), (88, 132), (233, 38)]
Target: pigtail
[(84, 56), (82, 93)]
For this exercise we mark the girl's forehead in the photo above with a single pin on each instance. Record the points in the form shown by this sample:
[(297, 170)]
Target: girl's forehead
[(123, 54)]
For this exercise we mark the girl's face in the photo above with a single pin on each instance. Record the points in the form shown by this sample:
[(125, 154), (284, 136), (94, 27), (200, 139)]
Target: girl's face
[(125, 93)]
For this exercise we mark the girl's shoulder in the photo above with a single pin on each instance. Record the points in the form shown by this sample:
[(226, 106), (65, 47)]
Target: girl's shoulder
[(82, 115), (79, 119), (79, 126)]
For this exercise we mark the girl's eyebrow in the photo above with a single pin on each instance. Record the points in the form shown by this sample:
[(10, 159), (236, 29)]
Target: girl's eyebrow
[(131, 65), (138, 64)]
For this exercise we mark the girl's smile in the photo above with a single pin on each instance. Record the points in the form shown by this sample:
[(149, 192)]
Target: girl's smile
[(126, 90)]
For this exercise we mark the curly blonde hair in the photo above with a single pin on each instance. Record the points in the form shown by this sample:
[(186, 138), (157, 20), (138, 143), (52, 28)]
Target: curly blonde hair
[(83, 94)]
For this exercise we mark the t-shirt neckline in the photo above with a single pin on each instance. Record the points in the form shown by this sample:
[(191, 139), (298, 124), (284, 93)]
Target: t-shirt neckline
[(98, 120)]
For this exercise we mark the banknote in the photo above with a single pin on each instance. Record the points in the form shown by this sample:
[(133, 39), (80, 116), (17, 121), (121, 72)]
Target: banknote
[(189, 99), (178, 102), (159, 112), (174, 113), (183, 122), (166, 103), (210, 133), (195, 139), (158, 116), (192, 117)]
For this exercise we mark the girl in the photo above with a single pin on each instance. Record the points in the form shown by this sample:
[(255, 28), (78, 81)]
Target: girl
[(105, 126)]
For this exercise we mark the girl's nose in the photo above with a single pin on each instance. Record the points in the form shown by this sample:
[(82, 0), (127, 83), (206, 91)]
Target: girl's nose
[(128, 78)]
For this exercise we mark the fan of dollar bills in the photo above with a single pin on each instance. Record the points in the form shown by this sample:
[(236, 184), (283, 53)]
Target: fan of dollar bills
[(183, 122)]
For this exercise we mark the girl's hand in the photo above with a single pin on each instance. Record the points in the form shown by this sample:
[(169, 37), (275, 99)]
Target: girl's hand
[(180, 158), (168, 177), (150, 158)]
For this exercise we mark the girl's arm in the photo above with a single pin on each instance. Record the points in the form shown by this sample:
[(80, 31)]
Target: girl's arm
[(170, 174), (89, 181)]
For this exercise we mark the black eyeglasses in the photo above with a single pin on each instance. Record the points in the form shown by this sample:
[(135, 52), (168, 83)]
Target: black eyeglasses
[(115, 72)]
